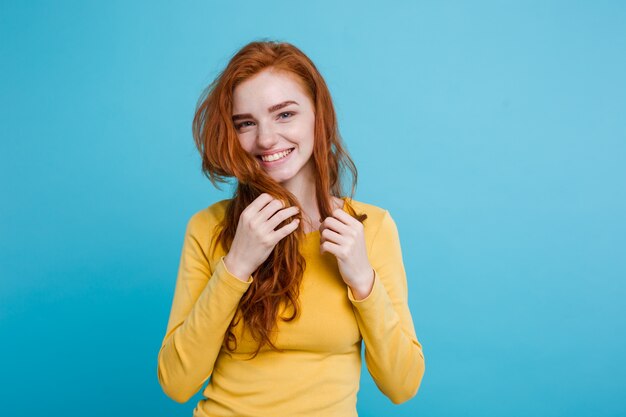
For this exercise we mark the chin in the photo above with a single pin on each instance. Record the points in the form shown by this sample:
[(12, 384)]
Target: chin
[(280, 177), (281, 180)]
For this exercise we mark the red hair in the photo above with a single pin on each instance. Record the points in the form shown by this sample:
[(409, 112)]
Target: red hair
[(278, 279)]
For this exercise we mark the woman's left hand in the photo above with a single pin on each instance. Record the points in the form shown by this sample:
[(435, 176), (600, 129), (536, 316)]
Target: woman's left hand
[(342, 235)]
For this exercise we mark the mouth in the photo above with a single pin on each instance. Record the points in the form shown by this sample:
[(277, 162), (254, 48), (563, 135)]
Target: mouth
[(275, 159)]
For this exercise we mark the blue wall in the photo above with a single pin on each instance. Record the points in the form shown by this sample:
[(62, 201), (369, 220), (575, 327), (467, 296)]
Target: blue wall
[(494, 133)]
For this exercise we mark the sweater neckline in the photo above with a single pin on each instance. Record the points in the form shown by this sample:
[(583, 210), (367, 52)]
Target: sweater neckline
[(316, 232)]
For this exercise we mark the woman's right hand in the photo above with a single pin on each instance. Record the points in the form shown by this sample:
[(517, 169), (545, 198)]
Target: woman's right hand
[(255, 237)]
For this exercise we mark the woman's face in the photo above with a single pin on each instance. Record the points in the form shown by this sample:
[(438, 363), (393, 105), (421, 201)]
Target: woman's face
[(275, 119)]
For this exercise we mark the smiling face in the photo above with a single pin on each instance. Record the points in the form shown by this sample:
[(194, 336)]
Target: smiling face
[(275, 120)]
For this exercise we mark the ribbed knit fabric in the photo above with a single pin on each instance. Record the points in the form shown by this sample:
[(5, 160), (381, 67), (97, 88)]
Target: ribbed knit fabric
[(318, 372)]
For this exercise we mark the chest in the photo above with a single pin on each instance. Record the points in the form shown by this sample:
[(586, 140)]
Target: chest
[(326, 320)]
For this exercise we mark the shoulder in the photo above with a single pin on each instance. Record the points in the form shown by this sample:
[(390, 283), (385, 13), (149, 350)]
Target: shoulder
[(380, 230), (202, 229), (208, 217), (375, 214), (378, 222)]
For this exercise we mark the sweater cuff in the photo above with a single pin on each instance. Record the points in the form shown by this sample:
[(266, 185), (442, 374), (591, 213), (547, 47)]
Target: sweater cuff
[(371, 297), (234, 282)]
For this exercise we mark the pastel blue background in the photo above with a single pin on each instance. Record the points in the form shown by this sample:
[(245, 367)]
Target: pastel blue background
[(494, 133)]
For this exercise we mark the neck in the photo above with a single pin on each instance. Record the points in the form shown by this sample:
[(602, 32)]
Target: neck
[(303, 188)]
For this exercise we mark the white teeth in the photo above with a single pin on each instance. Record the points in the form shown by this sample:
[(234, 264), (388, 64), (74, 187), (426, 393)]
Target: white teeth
[(274, 157)]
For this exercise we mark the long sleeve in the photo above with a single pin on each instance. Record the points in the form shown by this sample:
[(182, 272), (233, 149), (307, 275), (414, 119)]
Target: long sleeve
[(204, 304), (393, 354)]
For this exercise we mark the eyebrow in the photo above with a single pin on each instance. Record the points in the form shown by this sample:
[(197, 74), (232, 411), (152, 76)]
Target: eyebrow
[(269, 110)]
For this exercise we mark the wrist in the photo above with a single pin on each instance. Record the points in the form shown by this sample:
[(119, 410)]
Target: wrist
[(364, 290), (233, 269)]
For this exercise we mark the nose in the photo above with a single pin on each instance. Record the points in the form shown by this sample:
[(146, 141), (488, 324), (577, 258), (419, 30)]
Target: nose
[(266, 137)]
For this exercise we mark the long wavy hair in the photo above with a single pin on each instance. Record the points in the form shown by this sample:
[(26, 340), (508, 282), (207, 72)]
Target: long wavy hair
[(277, 280)]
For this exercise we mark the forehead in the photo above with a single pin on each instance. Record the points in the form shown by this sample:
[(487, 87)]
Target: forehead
[(266, 88)]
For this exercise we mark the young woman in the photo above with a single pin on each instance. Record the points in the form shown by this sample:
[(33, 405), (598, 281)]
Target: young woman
[(279, 286)]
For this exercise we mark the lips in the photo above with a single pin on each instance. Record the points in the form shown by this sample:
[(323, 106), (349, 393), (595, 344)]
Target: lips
[(275, 151), (268, 164), (283, 152)]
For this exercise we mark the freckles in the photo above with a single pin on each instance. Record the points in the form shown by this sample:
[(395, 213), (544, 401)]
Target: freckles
[(293, 130), (246, 144)]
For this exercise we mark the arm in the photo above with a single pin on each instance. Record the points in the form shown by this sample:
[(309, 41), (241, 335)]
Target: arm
[(393, 355), (204, 304)]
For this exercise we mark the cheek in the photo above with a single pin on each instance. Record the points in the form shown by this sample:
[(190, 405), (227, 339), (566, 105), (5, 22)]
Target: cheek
[(301, 132), (246, 142)]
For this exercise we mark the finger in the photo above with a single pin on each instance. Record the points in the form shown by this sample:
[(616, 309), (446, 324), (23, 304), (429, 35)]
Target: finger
[(281, 215), (329, 235), (259, 202), (335, 225), (270, 209), (331, 248), (285, 230), (344, 217)]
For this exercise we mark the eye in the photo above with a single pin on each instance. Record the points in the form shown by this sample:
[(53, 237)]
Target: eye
[(241, 125), (288, 113)]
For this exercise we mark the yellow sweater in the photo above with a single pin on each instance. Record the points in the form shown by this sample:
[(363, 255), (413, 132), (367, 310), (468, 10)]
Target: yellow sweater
[(318, 372)]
